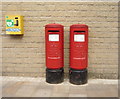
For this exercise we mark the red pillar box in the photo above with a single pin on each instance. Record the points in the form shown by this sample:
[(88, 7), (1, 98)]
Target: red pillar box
[(54, 38), (78, 53)]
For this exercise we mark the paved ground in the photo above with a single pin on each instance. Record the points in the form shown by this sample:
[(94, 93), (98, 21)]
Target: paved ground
[(37, 87)]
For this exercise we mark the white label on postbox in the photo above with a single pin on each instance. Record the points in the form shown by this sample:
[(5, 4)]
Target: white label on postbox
[(79, 38), (53, 37)]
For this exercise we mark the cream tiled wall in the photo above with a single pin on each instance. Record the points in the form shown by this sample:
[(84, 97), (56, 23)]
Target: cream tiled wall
[(25, 56)]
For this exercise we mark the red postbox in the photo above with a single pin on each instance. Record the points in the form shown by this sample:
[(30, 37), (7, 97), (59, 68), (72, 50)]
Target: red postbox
[(54, 38), (78, 53)]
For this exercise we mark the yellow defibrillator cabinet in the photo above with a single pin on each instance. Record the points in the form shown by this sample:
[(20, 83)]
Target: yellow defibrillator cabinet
[(14, 25)]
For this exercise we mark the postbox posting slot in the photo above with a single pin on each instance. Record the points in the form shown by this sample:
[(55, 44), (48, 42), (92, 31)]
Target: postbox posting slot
[(53, 30), (79, 31)]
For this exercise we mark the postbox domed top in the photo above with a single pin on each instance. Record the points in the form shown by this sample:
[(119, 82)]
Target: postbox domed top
[(79, 26), (54, 25)]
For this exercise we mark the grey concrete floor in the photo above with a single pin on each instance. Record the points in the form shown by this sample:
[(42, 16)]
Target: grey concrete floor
[(37, 87)]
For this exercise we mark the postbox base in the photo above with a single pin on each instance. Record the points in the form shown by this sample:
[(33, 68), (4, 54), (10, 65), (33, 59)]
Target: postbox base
[(78, 77), (54, 76)]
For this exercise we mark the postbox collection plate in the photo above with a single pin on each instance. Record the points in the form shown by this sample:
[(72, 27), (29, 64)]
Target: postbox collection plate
[(79, 38), (53, 37)]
